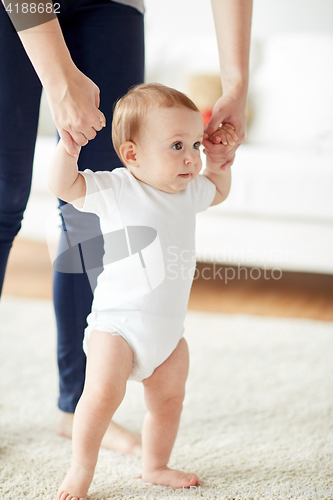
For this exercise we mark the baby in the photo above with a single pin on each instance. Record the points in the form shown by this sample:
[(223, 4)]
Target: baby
[(135, 330)]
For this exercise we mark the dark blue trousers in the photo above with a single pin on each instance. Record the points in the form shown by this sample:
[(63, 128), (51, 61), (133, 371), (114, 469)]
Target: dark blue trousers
[(106, 42)]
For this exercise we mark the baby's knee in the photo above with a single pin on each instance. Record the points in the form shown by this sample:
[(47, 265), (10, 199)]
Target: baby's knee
[(104, 396), (171, 404)]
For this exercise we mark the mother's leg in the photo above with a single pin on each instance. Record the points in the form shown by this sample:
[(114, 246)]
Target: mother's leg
[(20, 92), (105, 40)]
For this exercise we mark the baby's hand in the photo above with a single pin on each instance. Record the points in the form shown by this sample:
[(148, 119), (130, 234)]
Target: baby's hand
[(225, 134), (75, 155), (220, 148)]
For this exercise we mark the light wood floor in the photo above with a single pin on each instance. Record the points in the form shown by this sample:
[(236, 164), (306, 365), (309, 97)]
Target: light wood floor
[(300, 295)]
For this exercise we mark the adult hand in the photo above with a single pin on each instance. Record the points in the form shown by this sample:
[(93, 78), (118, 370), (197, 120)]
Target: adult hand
[(74, 107), (230, 108)]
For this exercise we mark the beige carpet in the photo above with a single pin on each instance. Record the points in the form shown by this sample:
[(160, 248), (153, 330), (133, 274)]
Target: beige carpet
[(257, 418)]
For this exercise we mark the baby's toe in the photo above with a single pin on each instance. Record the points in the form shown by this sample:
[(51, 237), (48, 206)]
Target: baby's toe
[(193, 479)]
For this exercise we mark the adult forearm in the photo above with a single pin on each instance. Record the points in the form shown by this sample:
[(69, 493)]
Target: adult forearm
[(233, 31), (47, 50), (73, 98)]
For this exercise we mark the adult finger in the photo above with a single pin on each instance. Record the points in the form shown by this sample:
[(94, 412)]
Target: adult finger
[(97, 98), (99, 120), (88, 123), (228, 164), (213, 124), (220, 158), (79, 137), (83, 133), (219, 153), (231, 130), (220, 136), (102, 120), (225, 136), (91, 134), (218, 147)]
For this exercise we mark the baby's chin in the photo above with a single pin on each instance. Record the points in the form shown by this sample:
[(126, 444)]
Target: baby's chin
[(178, 184), (171, 189)]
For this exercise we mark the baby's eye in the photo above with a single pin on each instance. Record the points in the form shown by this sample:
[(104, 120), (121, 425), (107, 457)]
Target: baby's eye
[(178, 146), (197, 145)]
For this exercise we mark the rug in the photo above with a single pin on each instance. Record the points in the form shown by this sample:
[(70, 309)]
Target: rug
[(257, 419)]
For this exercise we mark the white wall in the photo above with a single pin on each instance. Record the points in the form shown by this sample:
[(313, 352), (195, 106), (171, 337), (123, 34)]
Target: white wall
[(276, 16), (179, 18), (180, 35), (174, 33), (175, 30)]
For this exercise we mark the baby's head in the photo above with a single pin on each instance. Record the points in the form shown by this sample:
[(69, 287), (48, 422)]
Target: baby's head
[(157, 132)]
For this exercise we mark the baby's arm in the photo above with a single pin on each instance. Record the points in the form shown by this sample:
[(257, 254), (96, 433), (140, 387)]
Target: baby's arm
[(219, 174), (64, 179)]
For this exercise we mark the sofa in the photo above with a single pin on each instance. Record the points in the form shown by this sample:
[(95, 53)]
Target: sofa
[(279, 213)]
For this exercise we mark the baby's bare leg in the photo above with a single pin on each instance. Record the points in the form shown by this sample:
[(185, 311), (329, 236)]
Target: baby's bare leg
[(164, 395), (109, 364)]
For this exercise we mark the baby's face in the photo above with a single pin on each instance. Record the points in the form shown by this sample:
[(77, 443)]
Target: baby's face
[(167, 152)]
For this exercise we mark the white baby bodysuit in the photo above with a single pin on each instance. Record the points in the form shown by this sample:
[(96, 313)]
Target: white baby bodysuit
[(148, 264)]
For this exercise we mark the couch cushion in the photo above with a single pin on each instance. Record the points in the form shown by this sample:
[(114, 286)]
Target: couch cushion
[(281, 182)]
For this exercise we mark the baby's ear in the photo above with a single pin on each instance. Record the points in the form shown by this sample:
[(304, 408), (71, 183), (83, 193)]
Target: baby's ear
[(128, 153)]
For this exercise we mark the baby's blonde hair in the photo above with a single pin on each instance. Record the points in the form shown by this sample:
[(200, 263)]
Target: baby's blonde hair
[(130, 110)]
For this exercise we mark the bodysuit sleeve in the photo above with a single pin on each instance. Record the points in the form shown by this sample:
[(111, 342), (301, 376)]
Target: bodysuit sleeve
[(203, 192), (103, 192)]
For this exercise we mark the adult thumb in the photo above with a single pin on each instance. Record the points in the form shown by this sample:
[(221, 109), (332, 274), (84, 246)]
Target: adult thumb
[(97, 97), (213, 125), (70, 145)]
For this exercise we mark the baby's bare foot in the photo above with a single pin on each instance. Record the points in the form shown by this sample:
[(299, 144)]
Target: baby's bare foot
[(116, 437), (76, 484), (171, 477)]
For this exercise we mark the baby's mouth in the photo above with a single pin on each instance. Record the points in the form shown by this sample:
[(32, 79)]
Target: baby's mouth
[(185, 176)]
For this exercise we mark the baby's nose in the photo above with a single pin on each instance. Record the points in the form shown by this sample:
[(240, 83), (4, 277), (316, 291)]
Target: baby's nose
[(190, 158)]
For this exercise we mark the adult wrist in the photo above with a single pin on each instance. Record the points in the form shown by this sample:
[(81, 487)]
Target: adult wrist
[(59, 74), (237, 84), (57, 81)]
